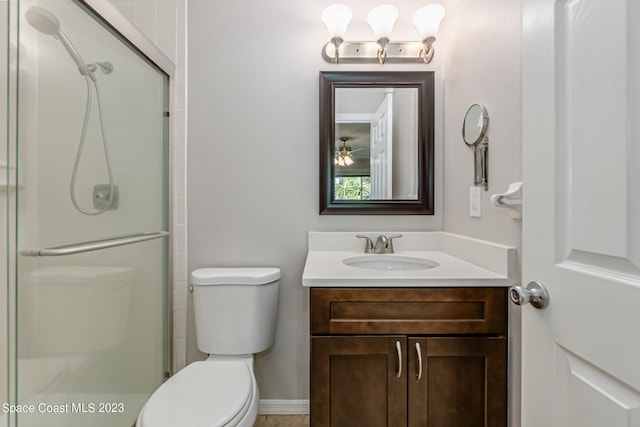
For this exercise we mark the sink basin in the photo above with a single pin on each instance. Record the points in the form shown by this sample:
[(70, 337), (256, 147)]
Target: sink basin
[(390, 263)]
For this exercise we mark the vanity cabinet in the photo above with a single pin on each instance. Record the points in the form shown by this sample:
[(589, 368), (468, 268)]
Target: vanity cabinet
[(408, 357)]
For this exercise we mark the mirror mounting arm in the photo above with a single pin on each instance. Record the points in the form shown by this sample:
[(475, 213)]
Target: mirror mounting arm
[(480, 157)]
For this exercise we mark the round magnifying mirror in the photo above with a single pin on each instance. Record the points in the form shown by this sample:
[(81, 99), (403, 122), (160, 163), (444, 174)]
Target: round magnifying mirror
[(475, 125)]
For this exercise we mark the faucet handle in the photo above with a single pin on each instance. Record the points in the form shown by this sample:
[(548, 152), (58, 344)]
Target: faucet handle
[(390, 242), (368, 247)]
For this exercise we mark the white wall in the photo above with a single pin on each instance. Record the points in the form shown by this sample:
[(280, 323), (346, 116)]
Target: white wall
[(483, 65), (253, 155)]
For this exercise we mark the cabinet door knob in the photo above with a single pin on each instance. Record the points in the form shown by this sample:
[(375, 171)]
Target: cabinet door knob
[(419, 354), (399, 352)]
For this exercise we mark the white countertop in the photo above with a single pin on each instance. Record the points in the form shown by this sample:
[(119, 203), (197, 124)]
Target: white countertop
[(462, 261)]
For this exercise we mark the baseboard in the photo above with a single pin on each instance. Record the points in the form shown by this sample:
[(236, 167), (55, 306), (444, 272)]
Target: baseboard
[(283, 407)]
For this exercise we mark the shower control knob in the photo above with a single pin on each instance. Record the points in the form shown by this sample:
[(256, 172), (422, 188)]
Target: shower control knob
[(535, 293), (103, 199)]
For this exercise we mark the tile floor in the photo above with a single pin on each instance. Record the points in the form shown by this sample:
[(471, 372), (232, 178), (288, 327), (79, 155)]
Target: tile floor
[(282, 421)]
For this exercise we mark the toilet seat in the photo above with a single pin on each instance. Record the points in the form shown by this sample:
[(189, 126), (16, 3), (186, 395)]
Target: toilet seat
[(203, 394)]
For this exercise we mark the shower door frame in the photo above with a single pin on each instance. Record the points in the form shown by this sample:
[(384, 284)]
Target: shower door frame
[(122, 29)]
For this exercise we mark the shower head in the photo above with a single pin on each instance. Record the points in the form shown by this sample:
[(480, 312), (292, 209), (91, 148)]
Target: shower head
[(43, 20), (47, 23)]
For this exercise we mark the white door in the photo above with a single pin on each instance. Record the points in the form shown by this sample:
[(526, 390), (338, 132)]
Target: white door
[(581, 219), (381, 148)]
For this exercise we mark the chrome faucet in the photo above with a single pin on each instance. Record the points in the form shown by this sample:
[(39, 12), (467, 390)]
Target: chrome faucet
[(384, 244)]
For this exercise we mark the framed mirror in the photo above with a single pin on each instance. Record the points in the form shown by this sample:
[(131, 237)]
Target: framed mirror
[(376, 143)]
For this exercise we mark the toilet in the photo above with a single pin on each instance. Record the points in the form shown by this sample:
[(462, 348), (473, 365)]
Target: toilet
[(235, 312)]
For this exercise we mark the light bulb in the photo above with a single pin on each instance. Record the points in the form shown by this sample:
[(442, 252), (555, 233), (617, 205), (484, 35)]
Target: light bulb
[(427, 20), (348, 161), (381, 20), (336, 18)]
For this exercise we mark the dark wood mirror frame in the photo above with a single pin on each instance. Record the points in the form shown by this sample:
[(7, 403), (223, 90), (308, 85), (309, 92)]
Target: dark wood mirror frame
[(424, 82)]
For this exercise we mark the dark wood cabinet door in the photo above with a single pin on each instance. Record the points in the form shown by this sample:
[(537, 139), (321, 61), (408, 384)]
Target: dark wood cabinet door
[(463, 382), (354, 381)]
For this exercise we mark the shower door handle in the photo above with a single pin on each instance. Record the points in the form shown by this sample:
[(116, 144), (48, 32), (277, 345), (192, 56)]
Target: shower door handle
[(94, 245)]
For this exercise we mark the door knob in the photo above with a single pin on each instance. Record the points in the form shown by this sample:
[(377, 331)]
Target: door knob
[(534, 293)]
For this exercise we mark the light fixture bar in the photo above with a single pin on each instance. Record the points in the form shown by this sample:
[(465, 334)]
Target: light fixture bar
[(381, 19), (367, 53)]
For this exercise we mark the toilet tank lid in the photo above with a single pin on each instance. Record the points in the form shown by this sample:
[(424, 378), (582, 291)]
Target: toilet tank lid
[(234, 276)]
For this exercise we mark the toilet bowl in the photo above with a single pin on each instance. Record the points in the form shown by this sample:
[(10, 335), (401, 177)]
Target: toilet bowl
[(212, 393), (235, 311)]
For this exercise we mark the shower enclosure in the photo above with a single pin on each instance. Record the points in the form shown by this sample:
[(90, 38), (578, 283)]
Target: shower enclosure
[(84, 180)]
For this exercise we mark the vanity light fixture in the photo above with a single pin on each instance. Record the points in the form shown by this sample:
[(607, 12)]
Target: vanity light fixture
[(381, 19), (336, 18), (343, 156)]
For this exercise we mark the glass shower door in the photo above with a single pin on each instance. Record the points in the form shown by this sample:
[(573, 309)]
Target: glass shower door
[(88, 335)]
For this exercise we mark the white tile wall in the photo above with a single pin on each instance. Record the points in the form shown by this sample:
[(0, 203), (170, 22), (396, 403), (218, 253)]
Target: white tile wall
[(163, 22)]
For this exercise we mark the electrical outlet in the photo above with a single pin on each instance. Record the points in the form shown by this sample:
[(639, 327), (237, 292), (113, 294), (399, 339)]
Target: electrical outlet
[(475, 202)]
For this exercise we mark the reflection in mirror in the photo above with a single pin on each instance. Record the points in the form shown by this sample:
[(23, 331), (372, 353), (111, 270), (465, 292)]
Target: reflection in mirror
[(352, 164), (380, 125), (376, 143)]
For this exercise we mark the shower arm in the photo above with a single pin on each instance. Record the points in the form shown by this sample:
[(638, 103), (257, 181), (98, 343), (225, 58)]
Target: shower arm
[(105, 67), (84, 69)]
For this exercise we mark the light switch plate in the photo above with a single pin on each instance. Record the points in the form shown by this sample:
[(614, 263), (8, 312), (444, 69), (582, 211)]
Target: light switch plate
[(475, 202)]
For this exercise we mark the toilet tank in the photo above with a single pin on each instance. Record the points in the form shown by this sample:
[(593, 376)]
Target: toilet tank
[(235, 309)]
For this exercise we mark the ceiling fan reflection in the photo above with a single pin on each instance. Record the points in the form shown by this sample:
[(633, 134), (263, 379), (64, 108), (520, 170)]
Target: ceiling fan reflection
[(344, 154)]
